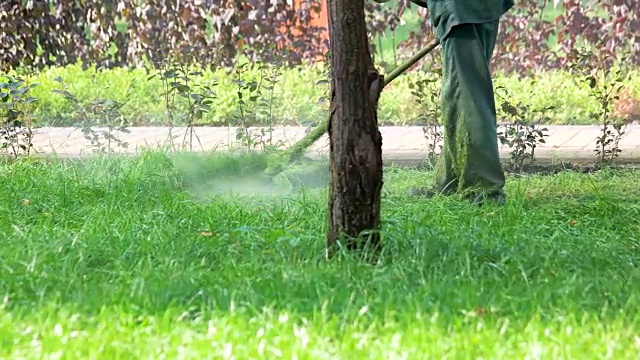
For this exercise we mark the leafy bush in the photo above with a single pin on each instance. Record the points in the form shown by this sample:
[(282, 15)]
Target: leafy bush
[(534, 35), (296, 96), (116, 33), (538, 35)]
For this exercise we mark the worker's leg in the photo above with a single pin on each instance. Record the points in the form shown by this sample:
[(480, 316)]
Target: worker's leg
[(470, 158)]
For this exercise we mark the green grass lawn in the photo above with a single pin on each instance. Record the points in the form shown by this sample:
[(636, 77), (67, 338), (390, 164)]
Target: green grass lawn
[(152, 257)]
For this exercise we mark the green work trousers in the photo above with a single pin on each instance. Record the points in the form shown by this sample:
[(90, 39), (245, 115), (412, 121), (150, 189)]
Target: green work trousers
[(470, 158)]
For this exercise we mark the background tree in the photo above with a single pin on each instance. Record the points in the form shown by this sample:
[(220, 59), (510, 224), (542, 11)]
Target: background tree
[(355, 141)]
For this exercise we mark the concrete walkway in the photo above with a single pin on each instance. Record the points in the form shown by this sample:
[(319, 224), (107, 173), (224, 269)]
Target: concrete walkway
[(405, 144)]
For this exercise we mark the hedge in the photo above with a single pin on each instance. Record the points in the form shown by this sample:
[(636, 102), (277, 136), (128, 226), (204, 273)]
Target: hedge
[(296, 96)]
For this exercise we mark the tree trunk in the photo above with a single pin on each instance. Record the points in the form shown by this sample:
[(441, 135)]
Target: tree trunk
[(355, 140)]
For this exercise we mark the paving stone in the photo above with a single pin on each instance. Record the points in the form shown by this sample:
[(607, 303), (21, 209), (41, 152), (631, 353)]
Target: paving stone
[(398, 142)]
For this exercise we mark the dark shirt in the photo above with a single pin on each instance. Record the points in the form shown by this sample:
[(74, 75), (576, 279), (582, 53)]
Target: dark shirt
[(444, 14)]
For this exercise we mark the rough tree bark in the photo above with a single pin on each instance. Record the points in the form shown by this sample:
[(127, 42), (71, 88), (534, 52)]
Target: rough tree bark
[(355, 140)]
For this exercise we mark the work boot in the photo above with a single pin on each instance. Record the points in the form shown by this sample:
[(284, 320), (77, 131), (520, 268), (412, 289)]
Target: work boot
[(498, 197), (478, 199), (428, 192)]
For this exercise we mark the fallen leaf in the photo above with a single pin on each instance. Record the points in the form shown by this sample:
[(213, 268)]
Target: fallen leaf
[(26, 202), (481, 311), (573, 222)]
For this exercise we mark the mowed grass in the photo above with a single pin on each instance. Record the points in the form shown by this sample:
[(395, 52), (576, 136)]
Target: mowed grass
[(150, 257)]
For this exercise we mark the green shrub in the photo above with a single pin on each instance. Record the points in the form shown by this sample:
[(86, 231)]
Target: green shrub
[(296, 96)]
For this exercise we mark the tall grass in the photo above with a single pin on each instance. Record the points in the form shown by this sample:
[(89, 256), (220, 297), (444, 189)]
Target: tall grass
[(120, 258)]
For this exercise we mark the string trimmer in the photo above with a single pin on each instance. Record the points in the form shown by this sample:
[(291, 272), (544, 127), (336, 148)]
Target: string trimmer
[(295, 151)]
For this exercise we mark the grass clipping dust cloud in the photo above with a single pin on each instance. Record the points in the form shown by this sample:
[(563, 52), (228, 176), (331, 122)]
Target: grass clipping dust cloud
[(243, 173)]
